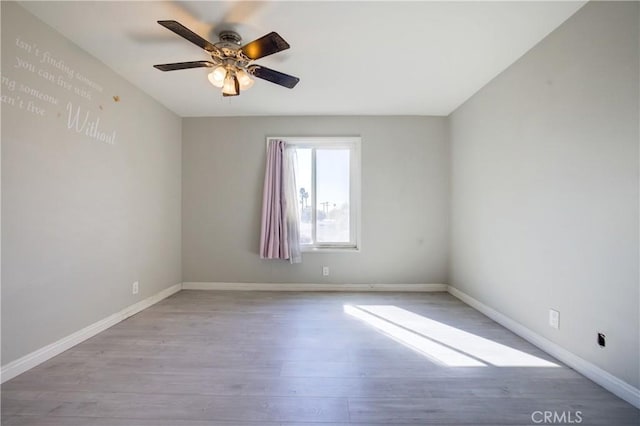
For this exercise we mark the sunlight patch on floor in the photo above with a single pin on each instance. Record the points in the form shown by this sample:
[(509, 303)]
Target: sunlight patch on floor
[(441, 342), (432, 350)]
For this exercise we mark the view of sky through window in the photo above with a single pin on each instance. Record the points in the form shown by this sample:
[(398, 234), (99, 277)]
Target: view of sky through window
[(331, 198)]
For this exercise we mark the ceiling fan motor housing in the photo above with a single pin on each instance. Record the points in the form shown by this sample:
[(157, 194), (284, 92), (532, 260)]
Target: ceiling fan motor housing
[(231, 37), (229, 47)]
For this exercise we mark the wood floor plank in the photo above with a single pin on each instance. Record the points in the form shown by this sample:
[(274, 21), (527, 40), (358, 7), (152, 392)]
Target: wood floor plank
[(482, 411), (225, 358), (252, 385), (97, 421), (406, 370), (177, 407), (247, 385)]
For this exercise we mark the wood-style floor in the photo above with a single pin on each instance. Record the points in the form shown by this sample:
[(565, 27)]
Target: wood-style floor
[(285, 358)]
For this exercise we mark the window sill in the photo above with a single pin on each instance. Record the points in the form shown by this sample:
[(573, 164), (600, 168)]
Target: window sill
[(330, 249)]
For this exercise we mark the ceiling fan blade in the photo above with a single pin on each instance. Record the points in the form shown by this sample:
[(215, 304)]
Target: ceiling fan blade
[(186, 33), (274, 76), (183, 65), (265, 46)]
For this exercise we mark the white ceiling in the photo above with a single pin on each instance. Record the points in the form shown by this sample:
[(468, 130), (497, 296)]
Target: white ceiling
[(353, 58)]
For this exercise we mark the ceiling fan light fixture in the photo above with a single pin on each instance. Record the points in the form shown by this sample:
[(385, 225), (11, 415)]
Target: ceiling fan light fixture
[(231, 86), (217, 76), (244, 79)]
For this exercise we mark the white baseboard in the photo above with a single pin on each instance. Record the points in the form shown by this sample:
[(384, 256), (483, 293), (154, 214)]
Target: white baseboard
[(311, 287), (27, 362), (608, 381)]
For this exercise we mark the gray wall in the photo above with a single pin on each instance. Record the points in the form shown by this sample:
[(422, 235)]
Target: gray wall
[(81, 219), (404, 200), (545, 188)]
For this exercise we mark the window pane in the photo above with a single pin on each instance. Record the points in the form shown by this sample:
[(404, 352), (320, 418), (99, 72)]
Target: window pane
[(332, 186), (303, 180)]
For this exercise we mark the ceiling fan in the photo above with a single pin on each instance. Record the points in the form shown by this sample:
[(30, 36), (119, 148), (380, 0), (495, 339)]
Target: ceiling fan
[(230, 62)]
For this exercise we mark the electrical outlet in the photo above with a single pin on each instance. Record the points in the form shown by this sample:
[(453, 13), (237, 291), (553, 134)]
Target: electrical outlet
[(325, 271), (135, 287), (554, 318)]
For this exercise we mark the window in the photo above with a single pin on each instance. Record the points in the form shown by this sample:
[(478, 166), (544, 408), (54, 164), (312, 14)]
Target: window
[(328, 188)]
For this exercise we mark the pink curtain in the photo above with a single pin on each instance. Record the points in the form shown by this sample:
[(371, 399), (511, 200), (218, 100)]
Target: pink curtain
[(279, 232)]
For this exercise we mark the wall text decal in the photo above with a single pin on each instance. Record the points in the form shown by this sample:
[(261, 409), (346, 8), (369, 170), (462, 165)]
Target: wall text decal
[(42, 95)]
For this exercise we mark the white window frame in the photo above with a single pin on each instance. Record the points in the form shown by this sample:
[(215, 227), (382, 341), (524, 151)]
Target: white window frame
[(353, 144)]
